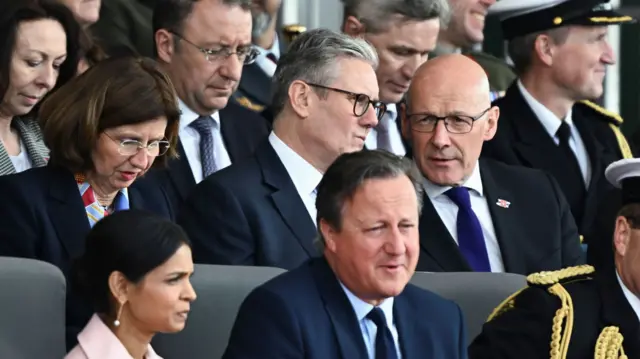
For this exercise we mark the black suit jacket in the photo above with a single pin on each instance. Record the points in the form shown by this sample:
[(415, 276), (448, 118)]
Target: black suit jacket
[(249, 213), (242, 131), (522, 140), (305, 313), (42, 217), (525, 330), (535, 233)]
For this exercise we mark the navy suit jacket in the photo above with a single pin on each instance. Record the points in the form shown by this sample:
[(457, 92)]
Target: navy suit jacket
[(249, 213), (304, 313), (42, 217), (242, 130)]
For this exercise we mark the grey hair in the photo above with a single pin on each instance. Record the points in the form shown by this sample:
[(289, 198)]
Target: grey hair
[(374, 14), (521, 49), (348, 173), (313, 58)]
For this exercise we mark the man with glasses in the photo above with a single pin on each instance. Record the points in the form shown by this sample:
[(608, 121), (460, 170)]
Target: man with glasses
[(262, 211), (203, 45), (404, 33), (561, 54), (479, 215)]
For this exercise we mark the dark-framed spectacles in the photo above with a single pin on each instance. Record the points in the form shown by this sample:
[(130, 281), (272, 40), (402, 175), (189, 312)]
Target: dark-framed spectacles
[(361, 102), (458, 124), (247, 55), (128, 147)]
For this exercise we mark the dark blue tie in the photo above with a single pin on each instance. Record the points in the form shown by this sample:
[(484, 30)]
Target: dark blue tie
[(385, 347), (203, 125), (470, 238)]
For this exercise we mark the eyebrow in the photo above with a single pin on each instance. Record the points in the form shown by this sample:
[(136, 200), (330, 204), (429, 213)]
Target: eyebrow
[(46, 56)]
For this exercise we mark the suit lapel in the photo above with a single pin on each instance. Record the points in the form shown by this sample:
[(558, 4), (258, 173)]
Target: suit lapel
[(37, 151), (180, 173), (67, 212), (6, 166), (230, 134), (437, 243), (285, 197), (411, 346), (618, 312), (533, 144), (256, 83), (340, 311), (596, 153), (505, 217)]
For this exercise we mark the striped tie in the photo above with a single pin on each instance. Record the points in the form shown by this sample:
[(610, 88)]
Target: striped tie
[(95, 212)]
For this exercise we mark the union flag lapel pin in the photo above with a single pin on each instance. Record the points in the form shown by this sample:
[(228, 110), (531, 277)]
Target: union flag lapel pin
[(503, 203)]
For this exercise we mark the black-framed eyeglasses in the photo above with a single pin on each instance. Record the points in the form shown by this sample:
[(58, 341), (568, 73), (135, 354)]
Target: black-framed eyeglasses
[(426, 122), (361, 102), (247, 55), (128, 147)]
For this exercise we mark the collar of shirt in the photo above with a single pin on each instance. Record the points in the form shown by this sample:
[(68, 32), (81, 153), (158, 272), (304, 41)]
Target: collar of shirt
[(392, 111), (474, 182), (96, 339), (305, 177), (274, 49), (187, 116), (362, 308), (633, 299), (548, 119)]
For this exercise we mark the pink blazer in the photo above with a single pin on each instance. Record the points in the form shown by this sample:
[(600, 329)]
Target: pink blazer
[(97, 341)]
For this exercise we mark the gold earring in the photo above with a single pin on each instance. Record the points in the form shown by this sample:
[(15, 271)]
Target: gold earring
[(116, 322)]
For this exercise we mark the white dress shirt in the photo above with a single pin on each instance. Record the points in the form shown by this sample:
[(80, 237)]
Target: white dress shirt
[(448, 212), (190, 139), (395, 137), (367, 326), (551, 124), (22, 161), (304, 176), (633, 299), (263, 62)]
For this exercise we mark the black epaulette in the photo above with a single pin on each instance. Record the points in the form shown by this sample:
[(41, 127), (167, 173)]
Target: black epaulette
[(553, 282), (615, 121)]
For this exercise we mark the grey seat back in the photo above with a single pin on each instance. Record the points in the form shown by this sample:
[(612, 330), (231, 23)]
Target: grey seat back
[(32, 309), (220, 291), (477, 294)]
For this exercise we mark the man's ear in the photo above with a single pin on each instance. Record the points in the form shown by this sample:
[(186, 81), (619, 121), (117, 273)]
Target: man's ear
[(353, 27), (492, 123), (300, 98), (405, 126), (165, 47)]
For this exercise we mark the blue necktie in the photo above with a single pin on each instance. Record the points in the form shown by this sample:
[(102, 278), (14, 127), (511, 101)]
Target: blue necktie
[(470, 238), (203, 125), (385, 347)]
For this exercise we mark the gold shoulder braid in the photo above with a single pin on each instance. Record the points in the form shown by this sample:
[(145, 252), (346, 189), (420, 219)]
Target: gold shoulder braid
[(615, 122), (609, 344)]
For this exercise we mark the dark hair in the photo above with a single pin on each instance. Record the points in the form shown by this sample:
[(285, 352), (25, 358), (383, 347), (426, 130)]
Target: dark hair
[(350, 171), (521, 49), (171, 14), (14, 12), (132, 242), (89, 50), (115, 92), (376, 15)]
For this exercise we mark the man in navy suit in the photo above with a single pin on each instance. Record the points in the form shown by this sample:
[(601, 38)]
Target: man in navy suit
[(214, 132), (355, 303), (261, 211)]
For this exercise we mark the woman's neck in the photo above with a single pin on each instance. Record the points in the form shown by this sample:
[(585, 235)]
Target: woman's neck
[(103, 193), (134, 341), (5, 127)]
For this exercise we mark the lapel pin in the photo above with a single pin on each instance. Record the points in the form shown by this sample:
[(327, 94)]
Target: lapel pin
[(503, 203)]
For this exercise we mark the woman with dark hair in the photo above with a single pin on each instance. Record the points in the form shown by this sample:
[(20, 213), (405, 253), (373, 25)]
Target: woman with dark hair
[(38, 48), (104, 129), (135, 271)]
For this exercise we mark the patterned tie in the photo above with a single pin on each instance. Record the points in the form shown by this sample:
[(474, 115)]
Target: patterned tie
[(95, 211), (382, 133), (203, 125), (470, 238), (385, 346)]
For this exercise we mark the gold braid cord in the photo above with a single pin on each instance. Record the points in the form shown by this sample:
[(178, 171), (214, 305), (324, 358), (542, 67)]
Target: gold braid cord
[(549, 278), (615, 127), (564, 315), (609, 344), (506, 304)]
